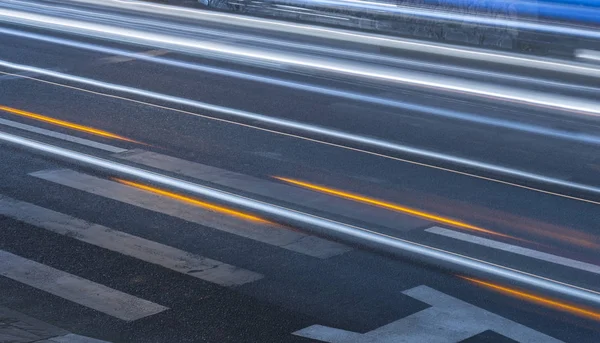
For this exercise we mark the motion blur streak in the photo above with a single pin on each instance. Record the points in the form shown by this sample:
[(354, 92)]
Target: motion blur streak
[(514, 222), (361, 37), (329, 50), (215, 49), (430, 110), (350, 35), (194, 202), (63, 123), (309, 129), (590, 314), (345, 232), (390, 206)]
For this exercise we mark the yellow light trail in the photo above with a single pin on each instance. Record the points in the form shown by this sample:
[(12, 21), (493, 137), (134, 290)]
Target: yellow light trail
[(194, 202), (587, 313), (372, 153), (391, 206), (63, 123)]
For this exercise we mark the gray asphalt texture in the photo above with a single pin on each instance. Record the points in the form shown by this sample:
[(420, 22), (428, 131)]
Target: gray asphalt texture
[(358, 291)]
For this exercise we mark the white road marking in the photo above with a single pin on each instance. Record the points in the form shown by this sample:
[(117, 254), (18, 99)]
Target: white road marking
[(76, 289), (72, 338), (448, 320), (588, 267), (327, 334), (126, 244), (270, 234), (62, 136), (395, 245), (273, 190)]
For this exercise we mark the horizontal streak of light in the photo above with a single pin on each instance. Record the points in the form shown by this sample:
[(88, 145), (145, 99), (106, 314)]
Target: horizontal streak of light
[(63, 123), (310, 13), (65, 137), (391, 206), (364, 38), (347, 35), (538, 299), (295, 218), (404, 62), (513, 249), (429, 110), (383, 4), (192, 201), (354, 68), (130, 90), (588, 55)]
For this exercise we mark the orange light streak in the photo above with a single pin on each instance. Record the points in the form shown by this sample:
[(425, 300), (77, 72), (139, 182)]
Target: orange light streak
[(391, 206), (193, 201), (538, 300), (63, 123)]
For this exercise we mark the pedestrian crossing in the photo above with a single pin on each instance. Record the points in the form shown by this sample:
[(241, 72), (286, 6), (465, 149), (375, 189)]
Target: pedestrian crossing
[(132, 306), (116, 303), (271, 234), (93, 295), (453, 319), (111, 301), (76, 289), (149, 251)]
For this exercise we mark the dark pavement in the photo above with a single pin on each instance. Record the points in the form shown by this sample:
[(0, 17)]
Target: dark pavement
[(552, 230)]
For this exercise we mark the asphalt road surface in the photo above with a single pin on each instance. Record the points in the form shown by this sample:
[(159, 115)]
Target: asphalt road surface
[(494, 162)]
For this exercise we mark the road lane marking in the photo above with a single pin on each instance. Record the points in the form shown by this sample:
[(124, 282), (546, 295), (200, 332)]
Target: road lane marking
[(271, 234), (388, 205), (149, 251), (448, 320), (312, 223), (328, 334), (273, 190), (588, 267), (62, 136), (76, 289)]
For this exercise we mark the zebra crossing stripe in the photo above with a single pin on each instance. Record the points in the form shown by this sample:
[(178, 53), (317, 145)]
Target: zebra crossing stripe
[(76, 289), (149, 251), (273, 234)]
